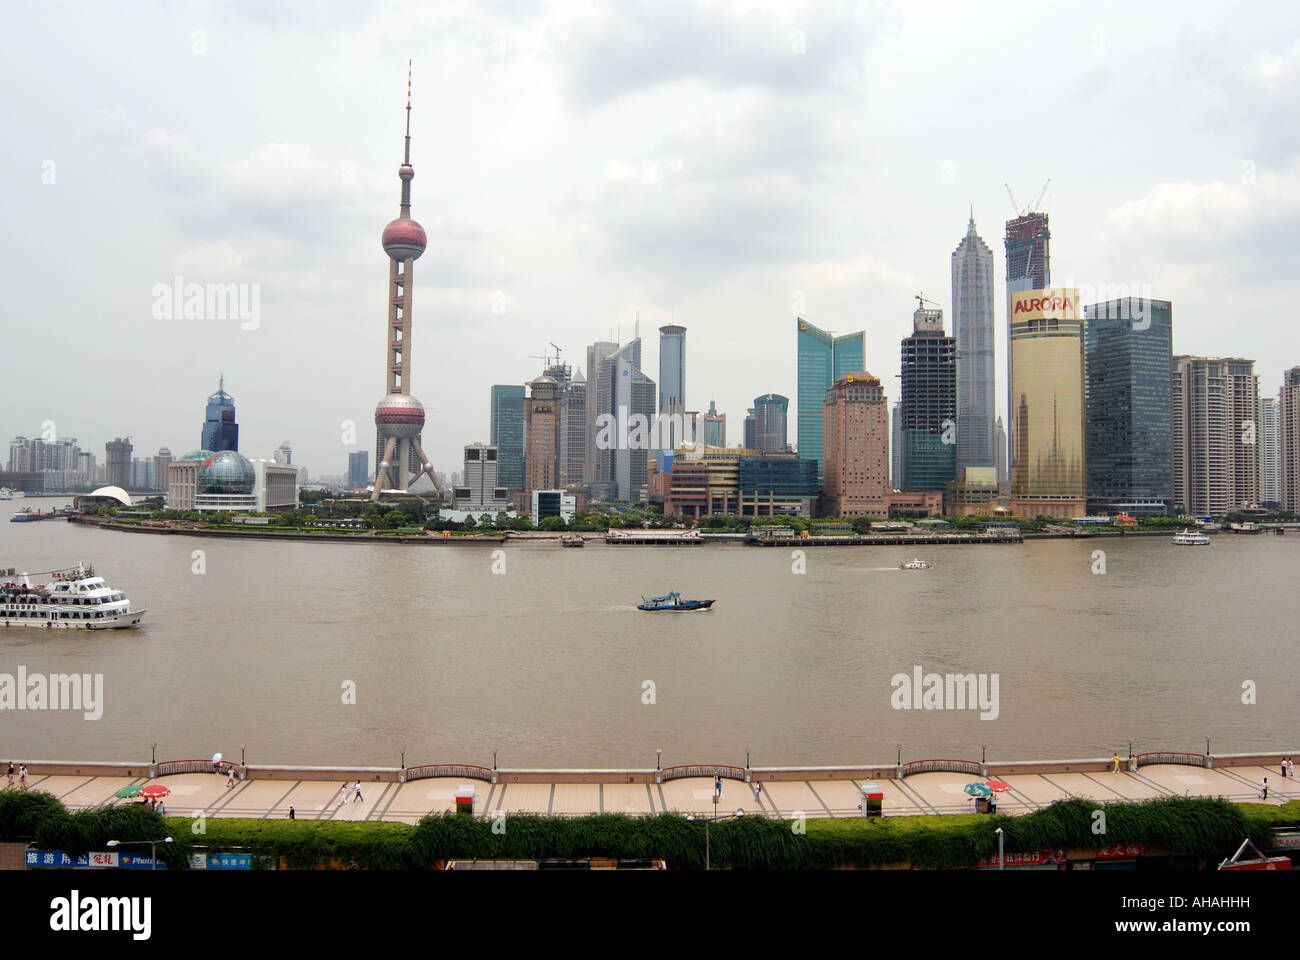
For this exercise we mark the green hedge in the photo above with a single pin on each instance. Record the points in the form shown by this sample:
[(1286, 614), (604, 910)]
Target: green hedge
[(1209, 828)]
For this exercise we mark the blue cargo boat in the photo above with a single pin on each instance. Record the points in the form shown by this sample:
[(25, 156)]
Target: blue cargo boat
[(672, 601)]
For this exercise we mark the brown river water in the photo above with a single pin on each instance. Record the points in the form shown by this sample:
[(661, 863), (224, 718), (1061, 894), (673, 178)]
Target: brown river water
[(551, 664)]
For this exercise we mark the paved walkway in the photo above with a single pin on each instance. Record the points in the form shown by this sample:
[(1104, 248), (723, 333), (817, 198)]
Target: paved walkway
[(927, 793)]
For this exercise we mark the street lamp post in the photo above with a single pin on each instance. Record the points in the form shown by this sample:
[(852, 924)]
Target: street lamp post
[(708, 858), (1001, 855), (242, 748), (153, 848)]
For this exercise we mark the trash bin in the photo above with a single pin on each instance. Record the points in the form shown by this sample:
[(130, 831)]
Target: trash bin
[(873, 799), (983, 805), (465, 799)]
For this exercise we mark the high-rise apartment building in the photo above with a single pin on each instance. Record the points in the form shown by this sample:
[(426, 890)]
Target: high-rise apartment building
[(1215, 443), (973, 329), (823, 359), (1046, 376), (507, 433), (770, 416), (928, 404), (855, 471), (1270, 453), (1289, 429), (1128, 360), (117, 460)]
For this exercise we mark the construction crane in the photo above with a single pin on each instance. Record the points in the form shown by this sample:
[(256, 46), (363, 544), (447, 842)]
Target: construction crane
[(924, 301), (557, 346), (1033, 208)]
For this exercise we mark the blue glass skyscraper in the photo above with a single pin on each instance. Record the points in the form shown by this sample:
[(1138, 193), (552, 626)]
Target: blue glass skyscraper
[(823, 359), (508, 433), (220, 431)]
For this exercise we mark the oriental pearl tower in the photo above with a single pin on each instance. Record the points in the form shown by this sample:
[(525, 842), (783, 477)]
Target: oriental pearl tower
[(399, 417)]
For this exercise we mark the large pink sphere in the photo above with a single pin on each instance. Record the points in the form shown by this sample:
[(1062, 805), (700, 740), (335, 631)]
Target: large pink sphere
[(404, 239), (399, 415)]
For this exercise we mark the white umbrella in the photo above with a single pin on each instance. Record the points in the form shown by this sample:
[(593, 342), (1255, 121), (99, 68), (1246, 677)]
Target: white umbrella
[(216, 758)]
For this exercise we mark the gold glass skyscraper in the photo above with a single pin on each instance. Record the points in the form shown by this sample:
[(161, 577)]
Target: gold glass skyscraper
[(1047, 404)]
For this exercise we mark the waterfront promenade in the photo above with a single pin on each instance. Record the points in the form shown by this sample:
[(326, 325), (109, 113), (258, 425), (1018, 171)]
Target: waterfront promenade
[(314, 793)]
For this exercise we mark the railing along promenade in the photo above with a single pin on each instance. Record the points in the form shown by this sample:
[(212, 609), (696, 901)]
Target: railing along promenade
[(651, 775)]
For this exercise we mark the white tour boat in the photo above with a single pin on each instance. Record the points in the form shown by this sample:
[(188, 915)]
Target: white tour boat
[(914, 564), (1189, 538), (74, 599), (7, 494)]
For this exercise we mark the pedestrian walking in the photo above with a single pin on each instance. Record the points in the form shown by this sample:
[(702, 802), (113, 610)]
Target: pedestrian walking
[(22, 775), (1115, 767), (292, 815), (357, 798), (344, 791), (1290, 768), (11, 773), (230, 777), (1284, 768), (758, 790), (1263, 789)]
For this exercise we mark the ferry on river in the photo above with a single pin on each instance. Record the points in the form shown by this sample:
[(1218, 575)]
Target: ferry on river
[(74, 599), (1191, 538), (674, 602), (914, 565)]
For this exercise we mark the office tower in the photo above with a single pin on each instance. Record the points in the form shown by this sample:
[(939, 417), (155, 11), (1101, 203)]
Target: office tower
[(751, 430), (1047, 386), (622, 413), (715, 427), (599, 398), (855, 471), (358, 469), (541, 428), (220, 431), (1028, 249), (1289, 429), (822, 360), (1215, 447), (283, 454), (896, 446), (928, 399), (479, 489), (1128, 361), (1004, 472), (117, 458), (634, 400), (972, 322), (672, 381), (507, 432), (399, 417), (573, 432), (770, 412)]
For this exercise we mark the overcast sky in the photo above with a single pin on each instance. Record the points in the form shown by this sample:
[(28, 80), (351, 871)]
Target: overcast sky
[(577, 163)]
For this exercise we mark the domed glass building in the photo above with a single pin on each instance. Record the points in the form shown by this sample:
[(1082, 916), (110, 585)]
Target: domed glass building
[(226, 473)]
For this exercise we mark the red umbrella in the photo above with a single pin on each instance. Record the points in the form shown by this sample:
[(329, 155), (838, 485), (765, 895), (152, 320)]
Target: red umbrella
[(998, 786), (156, 791)]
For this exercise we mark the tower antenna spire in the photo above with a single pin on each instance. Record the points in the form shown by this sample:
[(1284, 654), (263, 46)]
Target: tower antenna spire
[(407, 173)]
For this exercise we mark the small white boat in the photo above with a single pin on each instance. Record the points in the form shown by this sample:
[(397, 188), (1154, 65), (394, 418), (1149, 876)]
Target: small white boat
[(1191, 538), (914, 564)]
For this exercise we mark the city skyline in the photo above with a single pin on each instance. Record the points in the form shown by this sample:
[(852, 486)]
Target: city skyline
[(221, 199)]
